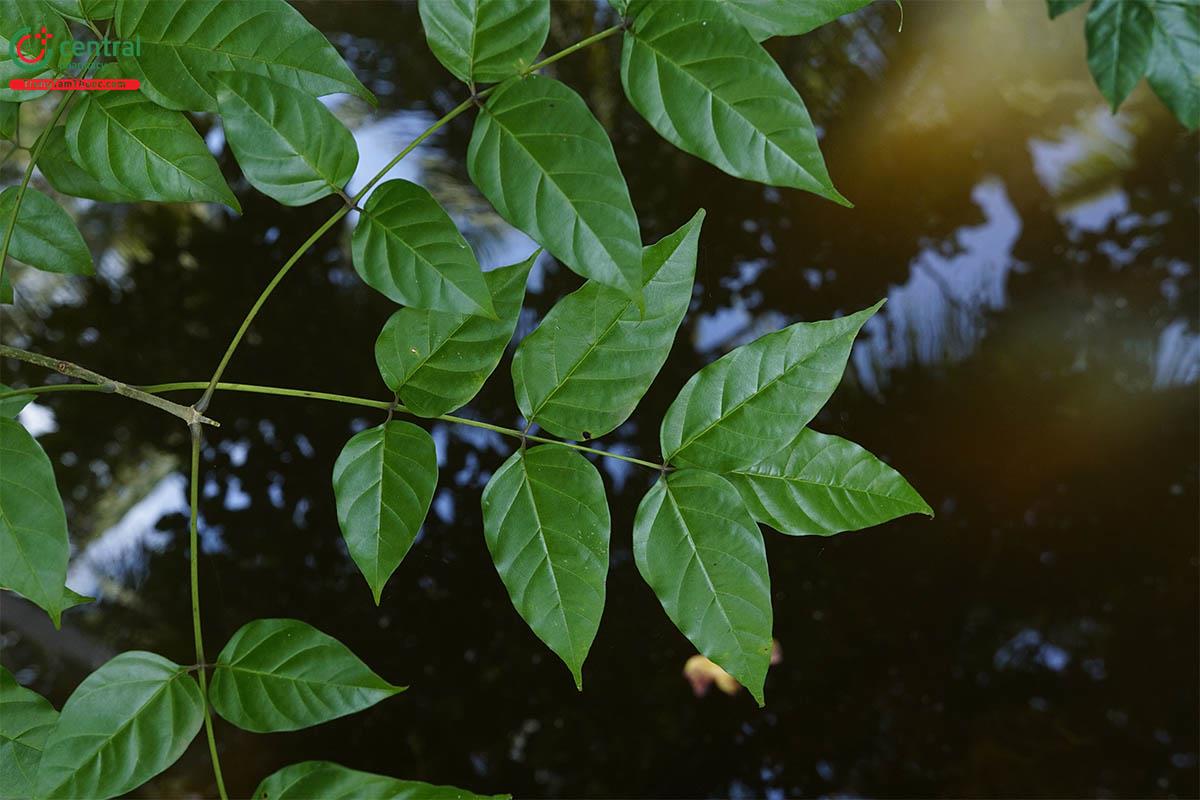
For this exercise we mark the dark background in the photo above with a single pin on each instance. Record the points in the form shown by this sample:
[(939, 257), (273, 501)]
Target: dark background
[(1034, 375)]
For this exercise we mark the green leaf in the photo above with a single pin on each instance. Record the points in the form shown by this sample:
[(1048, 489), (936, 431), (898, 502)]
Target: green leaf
[(546, 164), (45, 236), (19, 18), (127, 722), (68, 177), (289, 145), (34, 547), (184, 41), (1119, 34), (406, 247), (11, 406), (330, 781), (26, 719), (136, 148), (10, 113), (484, 41), (436, 361), (583, 370), (383, 482), (283, 675), (697, 547), (754, 400), (767, 18), (702, 82), (1174, 71), (1057, 7), (547, 526), (821, 485), (99, 9)]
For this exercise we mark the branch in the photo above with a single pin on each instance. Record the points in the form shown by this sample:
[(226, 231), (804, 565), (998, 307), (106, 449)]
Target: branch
[(189, 415)]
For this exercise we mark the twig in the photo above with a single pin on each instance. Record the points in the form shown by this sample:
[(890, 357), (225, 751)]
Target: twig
[(189, 415)]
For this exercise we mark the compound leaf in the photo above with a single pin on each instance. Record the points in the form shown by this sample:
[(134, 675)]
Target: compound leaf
[(583, 370), (330, 781), (821, 485), (1174, 70), (1120, 34), (406, 247), (546, 521), (184, 41), (436, 361), (546, 164), (700, 80), (45, 236), (127, 722), (26, 719), (698, 548), (34, 547), (283, 675), (136, 148), (383, 482), (290, 146), (485, 41), (754, 400), (767, 18)]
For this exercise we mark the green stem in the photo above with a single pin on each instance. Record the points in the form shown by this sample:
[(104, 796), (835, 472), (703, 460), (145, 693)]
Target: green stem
[(206, 398), (382, 405), (33, 157), (194, 565)]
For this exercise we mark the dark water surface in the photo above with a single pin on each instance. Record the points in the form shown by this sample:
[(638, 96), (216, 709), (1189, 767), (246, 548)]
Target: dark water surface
[(1034, 374)]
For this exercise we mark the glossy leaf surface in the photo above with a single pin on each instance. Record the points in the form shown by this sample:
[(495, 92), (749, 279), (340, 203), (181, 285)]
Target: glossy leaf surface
[(698, 548), (583, 370), (185, 41), (754, 400), (383, 482), (699, 78), (821, 485), (140, 150), (329, 781), (436, 361), (283, 675), (406, 247), (9, 114), (26, 719), (546, 521), (289, 145), (1119, 34), (33, 525), (60, 169), (485, 41), (127, 722), (1174, 69), (767, 18), (45, 236), (546, 164)]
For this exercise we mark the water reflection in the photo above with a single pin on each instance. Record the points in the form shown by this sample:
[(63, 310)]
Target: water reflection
[(1033, 372)]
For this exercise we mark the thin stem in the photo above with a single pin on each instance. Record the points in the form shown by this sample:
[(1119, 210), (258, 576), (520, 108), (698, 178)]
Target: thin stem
[(206, 398), (33, 157), (194, 565), (202, 404), (106, 384), (345, 399)]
